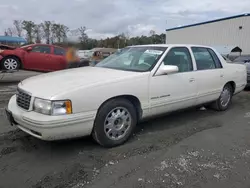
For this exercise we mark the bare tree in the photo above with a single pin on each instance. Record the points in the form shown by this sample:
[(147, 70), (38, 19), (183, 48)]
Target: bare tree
[(83, 36), (46, 26), (8, 32), (54, 32), (28, 26), (63, 32), (38, 33), (18, 27)]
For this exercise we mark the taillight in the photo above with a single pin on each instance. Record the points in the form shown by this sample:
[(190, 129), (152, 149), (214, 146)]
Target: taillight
[(1, 51)]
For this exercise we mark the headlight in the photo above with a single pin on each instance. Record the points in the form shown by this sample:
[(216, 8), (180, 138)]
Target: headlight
[(42, 106), (61, 107), (52, 107)]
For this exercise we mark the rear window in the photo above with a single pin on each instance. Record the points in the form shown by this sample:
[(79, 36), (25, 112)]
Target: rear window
[(59, 51)]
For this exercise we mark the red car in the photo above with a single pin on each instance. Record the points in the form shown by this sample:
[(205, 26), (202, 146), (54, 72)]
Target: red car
[(39, 57)]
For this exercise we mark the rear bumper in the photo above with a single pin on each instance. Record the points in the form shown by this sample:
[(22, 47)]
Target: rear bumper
[(47, 127)]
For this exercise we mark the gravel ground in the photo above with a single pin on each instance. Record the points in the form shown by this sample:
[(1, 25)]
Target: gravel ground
[(193, 148)]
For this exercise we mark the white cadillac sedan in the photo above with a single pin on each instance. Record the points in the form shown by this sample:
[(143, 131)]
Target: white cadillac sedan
[(137, 82)]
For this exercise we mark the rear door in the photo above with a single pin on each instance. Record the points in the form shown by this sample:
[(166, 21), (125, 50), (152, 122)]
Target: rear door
[(58, 60), (209, 75), (39, 58)]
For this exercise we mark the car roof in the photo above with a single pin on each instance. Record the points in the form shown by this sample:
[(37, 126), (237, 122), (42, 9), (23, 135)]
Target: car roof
[(40, 44), (171, 45)]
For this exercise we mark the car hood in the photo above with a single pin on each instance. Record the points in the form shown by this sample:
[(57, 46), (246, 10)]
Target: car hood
[(50, 84)]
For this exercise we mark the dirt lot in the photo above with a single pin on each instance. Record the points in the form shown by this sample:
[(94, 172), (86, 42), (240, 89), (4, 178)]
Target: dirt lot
[(194, 148)]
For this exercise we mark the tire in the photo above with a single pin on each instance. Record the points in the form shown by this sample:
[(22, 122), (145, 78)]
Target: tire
[(10, 63), (223, 104), (111, 132)]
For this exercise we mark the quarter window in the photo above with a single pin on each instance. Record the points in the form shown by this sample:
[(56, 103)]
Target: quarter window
[(204, 60), (180, 57), (59, 51), (41, 49)]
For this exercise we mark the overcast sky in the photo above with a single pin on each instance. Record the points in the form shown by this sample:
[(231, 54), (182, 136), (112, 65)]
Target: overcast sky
[(109, 17)]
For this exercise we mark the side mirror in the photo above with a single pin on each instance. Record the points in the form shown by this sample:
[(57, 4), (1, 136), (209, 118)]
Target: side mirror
[(29, 49), (166, 69)]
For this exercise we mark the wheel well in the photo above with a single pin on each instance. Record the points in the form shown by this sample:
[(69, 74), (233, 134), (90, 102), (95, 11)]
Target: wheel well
[(232, 84), (21, 65), (134, 100)]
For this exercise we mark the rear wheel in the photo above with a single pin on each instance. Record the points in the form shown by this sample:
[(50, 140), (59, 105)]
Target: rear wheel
[(115, 123), (225, 99), (11, 63)]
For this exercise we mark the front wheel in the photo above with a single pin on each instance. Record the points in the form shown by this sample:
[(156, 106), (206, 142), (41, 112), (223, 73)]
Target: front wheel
[(225, 99), (115, 123), (10, 63)]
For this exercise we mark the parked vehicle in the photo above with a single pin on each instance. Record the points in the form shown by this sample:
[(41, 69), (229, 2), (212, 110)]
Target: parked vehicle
[(245, 59), (108, 100), (39, 57), (84, 54)]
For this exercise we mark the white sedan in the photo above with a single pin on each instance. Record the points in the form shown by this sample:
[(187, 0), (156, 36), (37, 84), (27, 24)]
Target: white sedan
[(108, 100)]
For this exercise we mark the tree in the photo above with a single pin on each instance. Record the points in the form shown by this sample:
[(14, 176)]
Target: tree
[(28, 26), (6, 32), (83, 36), (55, 32), (38, 33), (63, 30), (18, 27), (59, 32), (46, 26)]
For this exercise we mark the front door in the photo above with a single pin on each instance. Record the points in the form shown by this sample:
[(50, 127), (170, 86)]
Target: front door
[(174, 91), (39, 58)]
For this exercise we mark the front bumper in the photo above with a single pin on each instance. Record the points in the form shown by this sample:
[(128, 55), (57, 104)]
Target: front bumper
[(47, 127)]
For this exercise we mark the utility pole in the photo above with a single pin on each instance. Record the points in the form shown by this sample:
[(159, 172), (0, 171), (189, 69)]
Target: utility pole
[(166, 32)]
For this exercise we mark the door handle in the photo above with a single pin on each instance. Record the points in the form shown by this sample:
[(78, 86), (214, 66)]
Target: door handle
[(191, 80)]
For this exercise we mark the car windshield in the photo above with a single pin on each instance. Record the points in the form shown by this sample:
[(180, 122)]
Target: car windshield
[(138, 59), (25, 46)]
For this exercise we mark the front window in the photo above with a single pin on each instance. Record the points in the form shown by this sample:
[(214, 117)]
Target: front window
[(139, 59), (180, 57), (41, 49)]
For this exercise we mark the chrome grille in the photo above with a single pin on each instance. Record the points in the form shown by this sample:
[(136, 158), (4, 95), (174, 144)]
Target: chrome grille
[(23, 99)]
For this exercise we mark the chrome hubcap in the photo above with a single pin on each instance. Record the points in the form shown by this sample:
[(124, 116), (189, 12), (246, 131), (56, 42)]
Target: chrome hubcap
[(225, 97), (10, 64), (117, 123)]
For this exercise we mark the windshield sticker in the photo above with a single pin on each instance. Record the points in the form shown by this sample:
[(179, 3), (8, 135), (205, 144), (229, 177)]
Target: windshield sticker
[(154, 52)]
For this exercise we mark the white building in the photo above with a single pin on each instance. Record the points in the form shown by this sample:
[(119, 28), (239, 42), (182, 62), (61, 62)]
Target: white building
[(230, 31)]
